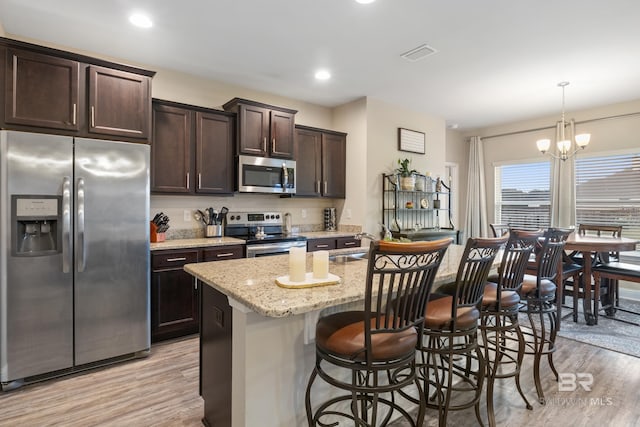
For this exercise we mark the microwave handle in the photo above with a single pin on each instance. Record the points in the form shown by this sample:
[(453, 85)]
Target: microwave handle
[(285, 177)]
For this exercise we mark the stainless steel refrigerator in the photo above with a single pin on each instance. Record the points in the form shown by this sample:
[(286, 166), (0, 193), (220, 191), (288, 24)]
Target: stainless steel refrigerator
[(74, 255)]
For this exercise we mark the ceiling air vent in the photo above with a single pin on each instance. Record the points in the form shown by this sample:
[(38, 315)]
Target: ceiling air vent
[(418, 53)]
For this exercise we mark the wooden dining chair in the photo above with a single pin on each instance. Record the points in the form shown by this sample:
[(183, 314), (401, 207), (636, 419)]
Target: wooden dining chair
[(574, 289), (499, 229)]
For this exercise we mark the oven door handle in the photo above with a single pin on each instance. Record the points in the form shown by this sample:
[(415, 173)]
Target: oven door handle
[(272, 248)]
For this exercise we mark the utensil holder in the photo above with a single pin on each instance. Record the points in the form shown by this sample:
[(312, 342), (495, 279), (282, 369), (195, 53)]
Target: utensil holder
[(154, 236), (329, 219), (213, 231)]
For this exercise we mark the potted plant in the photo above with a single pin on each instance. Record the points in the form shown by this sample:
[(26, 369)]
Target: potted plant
[(407, 177)]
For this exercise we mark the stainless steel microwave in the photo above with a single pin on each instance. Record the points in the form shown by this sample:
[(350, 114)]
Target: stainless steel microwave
[(266, 175)]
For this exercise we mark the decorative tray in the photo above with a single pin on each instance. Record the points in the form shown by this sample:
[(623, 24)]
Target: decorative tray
[(309, 281)]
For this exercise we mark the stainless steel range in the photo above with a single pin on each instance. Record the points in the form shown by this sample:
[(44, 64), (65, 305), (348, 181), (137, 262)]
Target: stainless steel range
[(263, 232)]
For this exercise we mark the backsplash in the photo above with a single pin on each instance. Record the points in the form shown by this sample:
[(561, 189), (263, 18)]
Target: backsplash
[(306, 213)]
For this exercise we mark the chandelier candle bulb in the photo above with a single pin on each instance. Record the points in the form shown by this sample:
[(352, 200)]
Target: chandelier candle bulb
[(320, 264), (297, 264)]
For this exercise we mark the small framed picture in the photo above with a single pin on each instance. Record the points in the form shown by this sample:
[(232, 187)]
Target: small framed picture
[(411, 141)]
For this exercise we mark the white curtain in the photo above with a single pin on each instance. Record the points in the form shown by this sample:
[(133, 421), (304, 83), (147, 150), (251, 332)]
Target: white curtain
[(476, 221), (563, 188)]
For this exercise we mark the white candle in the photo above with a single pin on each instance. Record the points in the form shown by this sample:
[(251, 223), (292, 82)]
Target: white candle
[(297, 264), (320, 264)]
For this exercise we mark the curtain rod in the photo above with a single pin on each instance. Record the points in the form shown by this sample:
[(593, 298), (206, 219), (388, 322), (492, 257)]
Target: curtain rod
[(618, 116)]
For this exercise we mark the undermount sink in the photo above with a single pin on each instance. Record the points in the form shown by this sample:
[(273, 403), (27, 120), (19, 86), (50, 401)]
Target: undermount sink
[(341, 258)]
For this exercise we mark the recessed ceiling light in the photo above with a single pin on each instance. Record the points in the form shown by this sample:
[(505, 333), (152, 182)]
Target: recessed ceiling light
[(140, 20), (365, 1), (323, 75)]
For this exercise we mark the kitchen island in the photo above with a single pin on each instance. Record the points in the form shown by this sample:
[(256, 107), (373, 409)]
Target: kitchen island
[(257, 339)]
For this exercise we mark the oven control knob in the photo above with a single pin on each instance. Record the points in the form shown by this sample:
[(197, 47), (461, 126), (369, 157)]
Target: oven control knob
[(277, 216), (232, 217)]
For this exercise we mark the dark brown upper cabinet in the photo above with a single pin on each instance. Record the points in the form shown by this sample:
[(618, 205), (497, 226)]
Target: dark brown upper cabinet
[(320, 162), (119, 103), (263, 130), (41, 90), (192, 149), (53, 91)]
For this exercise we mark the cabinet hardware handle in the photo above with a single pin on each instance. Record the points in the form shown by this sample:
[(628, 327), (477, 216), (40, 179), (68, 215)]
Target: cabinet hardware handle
[(75, 110), (322, 246), (349, 243), (226, 254), (66, 224), (317, 186), (264, 144), (273, 145), (93, 116), (195, 284), (199, 181), (81, 248), (325, 188), (177, 259), (188, 180)]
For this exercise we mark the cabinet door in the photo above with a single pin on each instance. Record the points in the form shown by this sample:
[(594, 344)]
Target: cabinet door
[(321, 244), (175, 301), (119, 103), (41, 90), (333, 165), (281, 126), (222, 253), (254, 130), (308, 162), (171, 150), (214, 153)]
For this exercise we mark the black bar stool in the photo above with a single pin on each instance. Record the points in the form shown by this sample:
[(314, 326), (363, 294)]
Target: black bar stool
[(370, 354), (449, 348), (539, 303), (499, 315)]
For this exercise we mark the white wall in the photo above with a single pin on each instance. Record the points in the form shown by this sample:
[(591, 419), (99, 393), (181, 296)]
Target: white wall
[(606, 135), (383, 121)]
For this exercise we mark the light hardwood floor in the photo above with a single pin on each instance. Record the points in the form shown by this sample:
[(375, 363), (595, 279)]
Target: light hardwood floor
[(162, 390)]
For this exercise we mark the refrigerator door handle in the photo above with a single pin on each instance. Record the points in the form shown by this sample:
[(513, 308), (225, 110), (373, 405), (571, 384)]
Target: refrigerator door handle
[(81, 238), (66, 224)]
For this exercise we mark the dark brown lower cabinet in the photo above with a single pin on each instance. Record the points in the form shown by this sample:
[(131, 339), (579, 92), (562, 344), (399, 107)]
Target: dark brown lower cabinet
[(175, 301), (175, 294), (215, 357), (328, 243)]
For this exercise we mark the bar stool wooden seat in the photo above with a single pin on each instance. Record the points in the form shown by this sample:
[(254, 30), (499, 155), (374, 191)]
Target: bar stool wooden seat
[(502, 339), (370, 354), (615, 271), (539, 303), (449, 349)]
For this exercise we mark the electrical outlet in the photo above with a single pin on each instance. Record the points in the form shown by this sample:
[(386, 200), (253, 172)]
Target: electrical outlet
[(187, 215), (347, 214), (303, 213)]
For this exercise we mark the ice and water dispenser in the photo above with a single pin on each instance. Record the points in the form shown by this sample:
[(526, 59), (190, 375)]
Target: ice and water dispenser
[(36, 225)]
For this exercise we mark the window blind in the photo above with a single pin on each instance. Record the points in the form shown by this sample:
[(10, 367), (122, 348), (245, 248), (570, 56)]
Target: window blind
[(522, 194), (608, 191)]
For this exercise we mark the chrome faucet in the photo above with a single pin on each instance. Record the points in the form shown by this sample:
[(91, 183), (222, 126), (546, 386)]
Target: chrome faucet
[(362, 235)]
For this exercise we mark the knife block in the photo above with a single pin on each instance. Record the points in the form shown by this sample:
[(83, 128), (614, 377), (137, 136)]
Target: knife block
[(154, 235)]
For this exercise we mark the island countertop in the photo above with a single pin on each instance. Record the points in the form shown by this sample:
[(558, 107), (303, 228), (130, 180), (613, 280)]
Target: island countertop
[(251, 282)]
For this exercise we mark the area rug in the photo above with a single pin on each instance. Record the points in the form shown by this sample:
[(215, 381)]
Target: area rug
[(608, 333)]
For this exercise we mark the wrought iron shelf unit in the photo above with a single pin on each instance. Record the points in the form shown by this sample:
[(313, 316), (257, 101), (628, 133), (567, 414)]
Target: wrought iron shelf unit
[(420, 212)]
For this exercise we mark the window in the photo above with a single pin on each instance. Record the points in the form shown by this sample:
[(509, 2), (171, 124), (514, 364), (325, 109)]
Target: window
[(522, 194), (608, 191)]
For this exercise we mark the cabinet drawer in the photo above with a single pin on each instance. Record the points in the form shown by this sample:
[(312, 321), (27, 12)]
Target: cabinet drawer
[(347, 242), (222, 253), (321, 244), (173, 259)]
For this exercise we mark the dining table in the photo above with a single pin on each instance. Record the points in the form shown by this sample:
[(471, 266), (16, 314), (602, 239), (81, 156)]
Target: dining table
[(590, 246)]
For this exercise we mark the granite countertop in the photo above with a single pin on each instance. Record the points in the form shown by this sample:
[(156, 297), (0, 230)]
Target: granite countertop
[(195, 243), (251, 282), (221, 241)]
